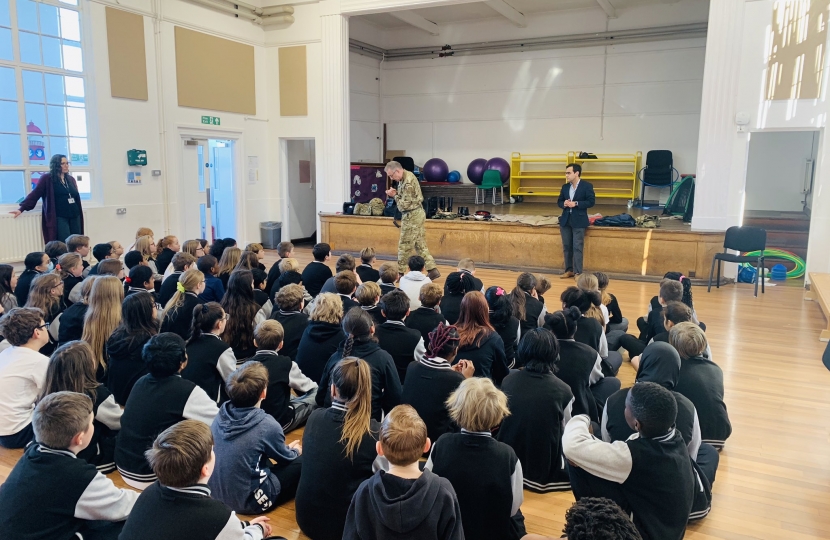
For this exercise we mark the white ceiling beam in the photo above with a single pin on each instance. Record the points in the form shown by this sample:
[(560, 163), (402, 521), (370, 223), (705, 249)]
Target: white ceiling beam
[(417, 21), (608, 8), (508, 12)]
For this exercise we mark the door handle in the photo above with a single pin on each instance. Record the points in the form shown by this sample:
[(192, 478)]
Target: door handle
[(207, 191)]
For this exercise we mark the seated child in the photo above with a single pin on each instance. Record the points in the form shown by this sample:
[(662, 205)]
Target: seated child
[(368, 296), (55, 249), (405, 345), (595, 518), (427, 317), (157, 401), (72, 369), (284, 250), (181, 261), (456, 286), (670, 291), (109, 267), (140, 280), (35, 264), (214, 289), (260, 296), (289, 274), (526, 304), (177, 316), (70, 272), (543, 285), (431, 380), (536, 436), (650, 475), (490, 503), (133, 258), (78, 243), (22, 374), (72, 320), (244, 438), (388, 277), (404, 502), (169, 246), (412, 281), (365, 271), (344, 262), (701, 380), (209, 359), (289, 313), (467, 266), (283, 376), (182, 458), (322, 336), (345, 282), (616, 321), (317, 272), (81, 501), (101, 252)]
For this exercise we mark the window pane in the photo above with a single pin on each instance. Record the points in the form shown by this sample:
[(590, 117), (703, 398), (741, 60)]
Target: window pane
[(5, 14), (6, 52), (79, 151), (29, 48), (49, 23), (82, 178), (36, 118), (73, 2), (9, 118), (10, 150), (38, 150), (8, 89), (54, 89), (59, 145), (72, 58), (76, 118), (57, 120), (70, 25), (27, 15), (74, 89), (51, 51), (12, 188), (33, 86)]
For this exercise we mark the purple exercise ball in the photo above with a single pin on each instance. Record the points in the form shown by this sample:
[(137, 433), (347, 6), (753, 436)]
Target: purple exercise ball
[(475, 171), (435, 170), (501, 165)]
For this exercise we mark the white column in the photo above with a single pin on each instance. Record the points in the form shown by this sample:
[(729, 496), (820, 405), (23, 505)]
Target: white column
[(333, 150), (721, 150)]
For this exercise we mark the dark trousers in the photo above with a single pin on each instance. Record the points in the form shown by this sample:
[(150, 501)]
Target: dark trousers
[(573, 244), (634, 346), (19, 439), (707, 461), (604, 389), (288, 473), (67, 226), (585, 484)]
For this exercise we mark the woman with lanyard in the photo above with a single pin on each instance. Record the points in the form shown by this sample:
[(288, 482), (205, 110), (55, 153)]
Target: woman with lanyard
[(62, 214)]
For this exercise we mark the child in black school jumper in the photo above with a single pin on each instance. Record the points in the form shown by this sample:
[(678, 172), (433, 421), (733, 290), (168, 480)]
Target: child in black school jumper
[(526, 305), (139, 322), (540, 406), (595, 518), (289, 275), (35, 264), (317, 272), (70, 271), (182, 457), (480, 343), (322, 336), (674, 313), (55, 249), (284, 250), (283, 376), (345, 283), (490, 503), (101, 252), (340, 452), (214, 288), (80, 500), (177, 316), (72, 369), (456, 286), (140, 280), (591, 326), (650, 475), (405, 345), (506, 325), (468, 266), (404, 502), (431, 380), (670, 291), (388, 277), (344, 262), (428, 316), (701, 380), (243, 313), (157, 401), (288, 311), (209, 359), (361, 343), (78, 243), (365, 270), (72, 320), (181, 261), (244, 438), (368, 296)]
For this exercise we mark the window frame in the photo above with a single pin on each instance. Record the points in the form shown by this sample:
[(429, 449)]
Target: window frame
[(91, 170)]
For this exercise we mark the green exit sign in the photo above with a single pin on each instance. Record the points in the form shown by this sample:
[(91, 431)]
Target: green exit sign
[(212, 120)]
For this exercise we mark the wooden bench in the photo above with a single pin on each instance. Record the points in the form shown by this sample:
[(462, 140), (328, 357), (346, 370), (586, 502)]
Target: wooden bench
[(820, 292)]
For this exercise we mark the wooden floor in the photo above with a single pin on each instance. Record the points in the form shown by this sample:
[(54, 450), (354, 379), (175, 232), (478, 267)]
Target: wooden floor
[(774, 475)]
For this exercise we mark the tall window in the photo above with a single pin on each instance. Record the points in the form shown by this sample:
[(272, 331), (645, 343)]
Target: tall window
[(42, 97)]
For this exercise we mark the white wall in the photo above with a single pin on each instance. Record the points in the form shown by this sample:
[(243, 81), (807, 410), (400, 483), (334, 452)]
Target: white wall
[(364, 104), (776, 170), (302, 221)]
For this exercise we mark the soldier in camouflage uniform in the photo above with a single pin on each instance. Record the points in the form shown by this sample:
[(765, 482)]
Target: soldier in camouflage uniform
[(413, 236)]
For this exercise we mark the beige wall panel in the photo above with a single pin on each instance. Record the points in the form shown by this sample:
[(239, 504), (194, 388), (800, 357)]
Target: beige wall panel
[(127, 54)]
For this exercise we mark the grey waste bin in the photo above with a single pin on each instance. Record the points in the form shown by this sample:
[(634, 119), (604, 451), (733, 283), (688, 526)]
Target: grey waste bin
[(270, 234)]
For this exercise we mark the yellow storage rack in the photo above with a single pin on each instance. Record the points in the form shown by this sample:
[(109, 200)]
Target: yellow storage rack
[(542, 175)]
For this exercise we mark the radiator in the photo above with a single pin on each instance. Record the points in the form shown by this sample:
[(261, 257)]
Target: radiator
[(21, 236)]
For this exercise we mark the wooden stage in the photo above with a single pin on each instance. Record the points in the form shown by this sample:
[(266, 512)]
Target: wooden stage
[(622, 252)]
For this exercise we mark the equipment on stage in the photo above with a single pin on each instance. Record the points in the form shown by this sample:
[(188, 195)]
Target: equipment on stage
[(681, 201), (435, 170), (454, 177), (502, 166), (659, 171), (475, 170)]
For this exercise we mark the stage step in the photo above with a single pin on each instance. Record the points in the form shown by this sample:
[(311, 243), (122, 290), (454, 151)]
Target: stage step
[(785, 230)]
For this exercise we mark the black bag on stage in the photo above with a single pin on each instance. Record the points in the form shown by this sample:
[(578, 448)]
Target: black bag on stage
[(620, 220), (348, 208)]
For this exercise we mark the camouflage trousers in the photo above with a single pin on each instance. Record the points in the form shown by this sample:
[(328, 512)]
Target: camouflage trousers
[(413, 238)]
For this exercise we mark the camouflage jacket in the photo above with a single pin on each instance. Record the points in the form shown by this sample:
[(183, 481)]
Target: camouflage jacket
[(409, 193)]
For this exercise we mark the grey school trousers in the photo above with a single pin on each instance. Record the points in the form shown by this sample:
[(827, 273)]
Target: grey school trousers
[(573, 244)]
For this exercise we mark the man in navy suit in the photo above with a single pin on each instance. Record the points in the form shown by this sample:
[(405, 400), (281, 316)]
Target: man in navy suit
[(575, 199)]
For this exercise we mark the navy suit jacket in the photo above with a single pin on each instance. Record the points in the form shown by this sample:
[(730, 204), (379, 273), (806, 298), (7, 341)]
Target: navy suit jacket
[(585, 199)]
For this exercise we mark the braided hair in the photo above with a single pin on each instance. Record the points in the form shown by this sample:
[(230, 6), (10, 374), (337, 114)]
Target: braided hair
[(443, 341), (459, 284), (596, 518), (205, 317), (358, 325), (687, 287)]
